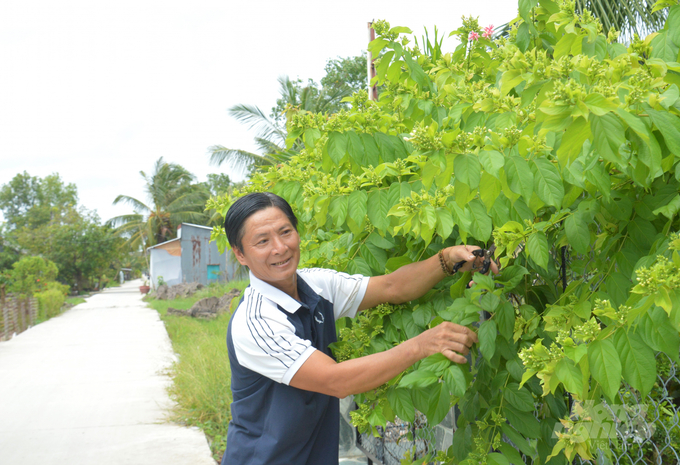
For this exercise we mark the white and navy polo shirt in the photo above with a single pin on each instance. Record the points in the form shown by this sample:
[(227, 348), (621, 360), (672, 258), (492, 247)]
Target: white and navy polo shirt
[(270, 336)]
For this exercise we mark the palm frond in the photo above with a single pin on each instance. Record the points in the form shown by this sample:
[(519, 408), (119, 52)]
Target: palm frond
[(627, 16), (137, 205), (254, 118), (236, 159), (266, 146)]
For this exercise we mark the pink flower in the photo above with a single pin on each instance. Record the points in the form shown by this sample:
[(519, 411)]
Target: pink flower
[(473, 36), (488, 31)]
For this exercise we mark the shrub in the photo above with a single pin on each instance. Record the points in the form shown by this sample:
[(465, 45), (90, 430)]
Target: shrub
[(57, 286), (30, 274), (50, 302), (560, 146)]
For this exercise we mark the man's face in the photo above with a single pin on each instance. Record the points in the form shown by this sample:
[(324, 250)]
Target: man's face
[(271, 249)]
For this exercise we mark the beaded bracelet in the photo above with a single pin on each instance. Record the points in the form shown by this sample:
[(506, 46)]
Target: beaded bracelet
[(443, 264)]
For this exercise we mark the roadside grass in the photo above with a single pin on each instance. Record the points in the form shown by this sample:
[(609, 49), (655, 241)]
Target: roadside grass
[(201, 376), (75, 300)]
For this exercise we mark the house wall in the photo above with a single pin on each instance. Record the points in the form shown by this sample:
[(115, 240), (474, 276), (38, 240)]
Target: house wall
[(165, 264), (197, 253)]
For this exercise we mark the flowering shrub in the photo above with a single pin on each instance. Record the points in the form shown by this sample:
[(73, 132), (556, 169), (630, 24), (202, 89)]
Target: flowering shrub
[(560, 146)]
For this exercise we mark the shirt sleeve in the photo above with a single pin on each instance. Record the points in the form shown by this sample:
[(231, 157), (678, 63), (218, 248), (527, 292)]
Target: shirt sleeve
[(343, 290), (265, 341)]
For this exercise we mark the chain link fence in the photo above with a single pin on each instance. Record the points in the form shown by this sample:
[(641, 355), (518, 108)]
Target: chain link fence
[(632, 431)]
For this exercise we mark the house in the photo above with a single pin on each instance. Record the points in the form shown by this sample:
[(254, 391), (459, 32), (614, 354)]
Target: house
[(190, 258)]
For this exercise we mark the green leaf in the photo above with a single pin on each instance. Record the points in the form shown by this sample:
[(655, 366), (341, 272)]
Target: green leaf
[(359, 266), (375, 46), (395, 263), (492, 161), (480, 225), (467, 169), (618, 286), (520, 177), (440, 404), (671, 209), (391, 147), (355, 148), (578, 234), (436, 363), (401, 403), (569, 375), (637, 360), (673, 25), (511, 276), (664, 48), (605, 366), (371, 151), (520, 398), (657, 331), (669, 126), (548, 182), (608, 136), (401, 30), (510, 80), (379, 241), (357, 206), (410, 327), (487, 338), (518, 440), (635, 123), (338, 210), (489, 190), (495, 458), (538, 250), (511, 454), (375, 257), (455, 380), (419, 378), (377, 208), (563, 46), (523, 422), (444, 222), (599, 105), (337, 146), (505, 319), (601, 180), (417, 73), (572, 141), (523, 37), (525, 7)]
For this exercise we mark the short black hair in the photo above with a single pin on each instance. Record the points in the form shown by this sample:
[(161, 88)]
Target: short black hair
[(248, 205)]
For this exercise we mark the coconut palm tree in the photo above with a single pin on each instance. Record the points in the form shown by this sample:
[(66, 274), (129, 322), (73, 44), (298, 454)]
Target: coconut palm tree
[(627, 16), (173, 198), (271, 133)]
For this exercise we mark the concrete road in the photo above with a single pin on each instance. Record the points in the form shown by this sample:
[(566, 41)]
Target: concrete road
[(89, 387)]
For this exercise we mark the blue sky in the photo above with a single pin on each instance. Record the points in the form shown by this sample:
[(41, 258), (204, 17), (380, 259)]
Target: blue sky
[(97, 91)]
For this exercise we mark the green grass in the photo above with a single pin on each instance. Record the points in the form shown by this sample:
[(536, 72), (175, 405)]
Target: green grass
[(75, 300), (201, 377)]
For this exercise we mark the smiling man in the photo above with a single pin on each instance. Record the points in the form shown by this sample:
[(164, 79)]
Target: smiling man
[(285, 382)]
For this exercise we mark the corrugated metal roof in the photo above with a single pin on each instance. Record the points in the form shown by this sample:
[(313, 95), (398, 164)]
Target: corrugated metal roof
[(163, 243)]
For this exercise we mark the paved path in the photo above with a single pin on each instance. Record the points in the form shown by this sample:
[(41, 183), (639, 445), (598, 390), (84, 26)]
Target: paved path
[(88, 387)]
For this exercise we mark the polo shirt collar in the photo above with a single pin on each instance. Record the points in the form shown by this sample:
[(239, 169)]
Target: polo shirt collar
[(279, 297)]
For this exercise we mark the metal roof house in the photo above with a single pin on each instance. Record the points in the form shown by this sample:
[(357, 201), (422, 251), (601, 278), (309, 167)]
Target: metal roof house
[(190, 258)]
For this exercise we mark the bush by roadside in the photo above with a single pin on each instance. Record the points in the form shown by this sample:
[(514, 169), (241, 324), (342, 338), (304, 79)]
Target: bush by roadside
[(201, 376), (50, 302)]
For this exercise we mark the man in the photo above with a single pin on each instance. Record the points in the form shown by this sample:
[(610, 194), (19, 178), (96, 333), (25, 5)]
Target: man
[(285, 383)]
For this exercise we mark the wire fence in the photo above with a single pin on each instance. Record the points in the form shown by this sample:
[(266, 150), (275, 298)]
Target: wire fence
[(635, 430)]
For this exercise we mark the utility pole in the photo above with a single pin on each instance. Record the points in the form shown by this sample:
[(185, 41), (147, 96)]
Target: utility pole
[(370, 65)]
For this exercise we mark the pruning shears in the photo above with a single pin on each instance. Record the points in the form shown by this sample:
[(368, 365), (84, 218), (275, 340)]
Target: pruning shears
[(480, 253)]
